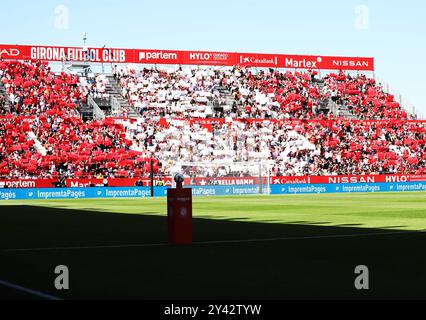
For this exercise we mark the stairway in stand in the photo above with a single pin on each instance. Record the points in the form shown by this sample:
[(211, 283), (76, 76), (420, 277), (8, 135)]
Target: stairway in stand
[(328, 105), (114, 90)]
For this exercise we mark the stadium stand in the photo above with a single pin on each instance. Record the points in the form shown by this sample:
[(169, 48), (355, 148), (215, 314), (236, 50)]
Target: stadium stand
[(299, 123), (34, 90), (271, 94), (291, 149), (196, 93), (363, 97), (42, 135)]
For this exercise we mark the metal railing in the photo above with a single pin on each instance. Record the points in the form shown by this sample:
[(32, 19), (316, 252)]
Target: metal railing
[(405, 104), (4, 93), (115, 105)]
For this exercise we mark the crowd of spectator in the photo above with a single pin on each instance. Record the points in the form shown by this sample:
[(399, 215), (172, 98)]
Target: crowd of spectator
[(364, 97), (190, 92), (274, 94), (181, 93), (52, 147), (34, 90), (43, 136), (289, 149), (94, 85), (367, 148)]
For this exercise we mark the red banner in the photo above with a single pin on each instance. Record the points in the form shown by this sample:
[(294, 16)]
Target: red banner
[(349, 179), (368, 178), (178, 57), (53, 53), (326, 62), (309, 179), (116, 182)]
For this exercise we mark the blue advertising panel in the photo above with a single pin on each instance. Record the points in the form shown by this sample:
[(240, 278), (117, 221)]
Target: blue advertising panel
[(144, 192)]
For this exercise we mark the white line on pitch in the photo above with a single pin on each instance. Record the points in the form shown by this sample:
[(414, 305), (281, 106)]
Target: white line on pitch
[(29, 291), (358, 235)]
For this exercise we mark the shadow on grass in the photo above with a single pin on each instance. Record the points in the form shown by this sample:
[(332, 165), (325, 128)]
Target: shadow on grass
[(292, 268)]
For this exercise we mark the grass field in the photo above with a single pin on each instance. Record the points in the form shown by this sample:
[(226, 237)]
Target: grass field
[(266, 247)]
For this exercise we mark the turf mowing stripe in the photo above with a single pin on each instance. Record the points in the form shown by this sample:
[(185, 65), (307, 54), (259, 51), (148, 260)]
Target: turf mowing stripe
[(29, 291), (216, 242)]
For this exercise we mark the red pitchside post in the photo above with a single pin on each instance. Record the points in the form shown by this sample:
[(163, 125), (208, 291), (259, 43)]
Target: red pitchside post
[(179, 212)]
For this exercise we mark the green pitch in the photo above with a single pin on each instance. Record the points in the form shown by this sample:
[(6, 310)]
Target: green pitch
[(304, 246)]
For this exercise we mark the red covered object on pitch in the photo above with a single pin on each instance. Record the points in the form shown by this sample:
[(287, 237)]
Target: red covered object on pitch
[(179, 211)]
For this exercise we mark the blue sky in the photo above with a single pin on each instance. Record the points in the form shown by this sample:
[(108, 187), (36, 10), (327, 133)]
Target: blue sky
[(395, 34)]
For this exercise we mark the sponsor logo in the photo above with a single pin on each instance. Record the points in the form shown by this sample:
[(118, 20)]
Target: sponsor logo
[(127, 193), (157, 55), (61, 194), (351, 179), (203, 191), (200, 56), (9, 52), (350, 63), (84, 183), (256, 60), (396, 178), (302, 63), (208, 56), (251, 190), (7, 195), (17, 184), (227, 181), (361, 188), (306, 189), (290, 180)]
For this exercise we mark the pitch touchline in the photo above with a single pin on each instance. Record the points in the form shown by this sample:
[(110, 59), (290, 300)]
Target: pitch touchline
[(29, 291), (213, 242)]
